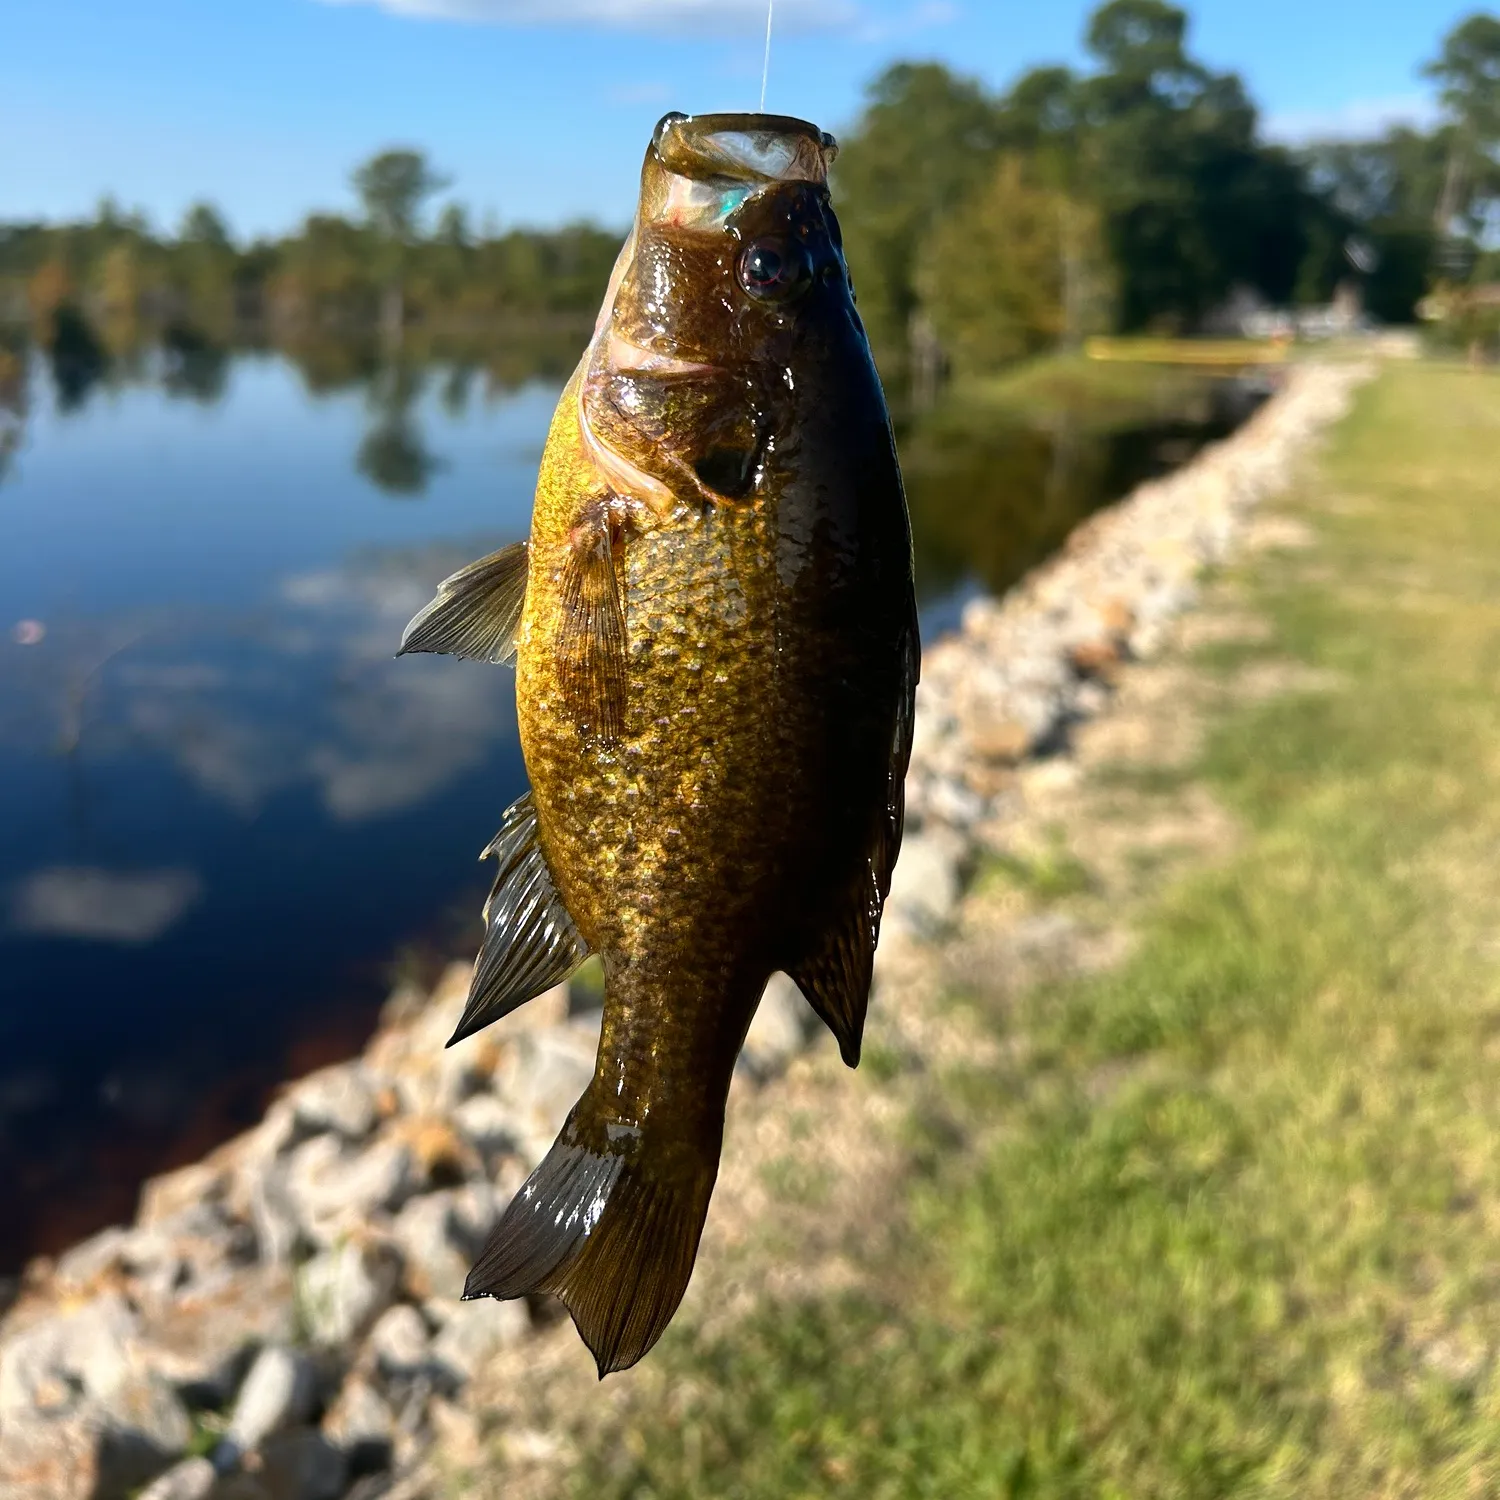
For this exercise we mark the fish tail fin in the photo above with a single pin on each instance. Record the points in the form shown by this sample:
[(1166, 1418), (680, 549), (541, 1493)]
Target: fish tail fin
[(609, 1222)]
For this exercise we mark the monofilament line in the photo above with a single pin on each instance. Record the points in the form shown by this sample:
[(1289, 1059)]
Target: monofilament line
[(765, 67)]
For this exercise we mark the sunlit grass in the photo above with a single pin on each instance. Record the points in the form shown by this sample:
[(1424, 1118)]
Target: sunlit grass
[(1238, 1230), (1100, 394)]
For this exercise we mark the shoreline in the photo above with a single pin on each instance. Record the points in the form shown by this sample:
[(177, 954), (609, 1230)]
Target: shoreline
[(290, 1299)]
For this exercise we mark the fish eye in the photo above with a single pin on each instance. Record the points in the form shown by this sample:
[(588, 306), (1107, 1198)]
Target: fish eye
[(775, 269)]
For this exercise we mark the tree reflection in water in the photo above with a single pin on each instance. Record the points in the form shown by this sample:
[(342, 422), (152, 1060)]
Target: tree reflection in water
[(393, 454), (991, 496)]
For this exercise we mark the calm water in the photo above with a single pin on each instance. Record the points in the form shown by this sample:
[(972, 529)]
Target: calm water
[(225, 810)]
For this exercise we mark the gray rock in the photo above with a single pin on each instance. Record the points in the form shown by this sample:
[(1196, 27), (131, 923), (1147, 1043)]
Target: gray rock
[(399, 1343), (339, 1099), (362, 1424), (926, 884), (273, 1214), (426, 1232), (541, 1077), (488, 1125), (280, 1391), (474, 1332), (440, 1235), (476, 1206), (52, 1460), (85, 1370), (334, 1190), (52, 1365), (301, 1464), (192, 1479), (95, 1256), (779, 1030), (145, 1418), (78, 1456), (239, 1487), (951, 801), (204, 1338), (344, 1290)]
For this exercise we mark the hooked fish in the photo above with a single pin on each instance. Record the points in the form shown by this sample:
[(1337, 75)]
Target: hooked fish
[(716, 651)]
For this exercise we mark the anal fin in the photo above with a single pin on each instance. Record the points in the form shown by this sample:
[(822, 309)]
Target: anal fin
[(835, 974), (591, 640), (477, 610), (530, 941)]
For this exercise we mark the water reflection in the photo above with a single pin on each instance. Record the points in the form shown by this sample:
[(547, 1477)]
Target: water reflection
[(991, 497), (394, 454), (194, 365), (310, 696), (224, 805), (112, 906), (78, 357)]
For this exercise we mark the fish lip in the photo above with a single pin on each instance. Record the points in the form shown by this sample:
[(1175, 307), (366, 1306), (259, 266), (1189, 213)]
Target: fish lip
[(750, 147)]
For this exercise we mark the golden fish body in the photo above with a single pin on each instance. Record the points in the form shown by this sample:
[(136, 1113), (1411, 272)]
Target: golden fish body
[(716, 656)]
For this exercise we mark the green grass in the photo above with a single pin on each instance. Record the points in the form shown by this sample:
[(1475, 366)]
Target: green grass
[(1049, 875), (1104, 395), (1237, 1229)]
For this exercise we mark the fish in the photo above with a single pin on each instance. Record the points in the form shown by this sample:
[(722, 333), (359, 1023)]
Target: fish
[(714, 627)]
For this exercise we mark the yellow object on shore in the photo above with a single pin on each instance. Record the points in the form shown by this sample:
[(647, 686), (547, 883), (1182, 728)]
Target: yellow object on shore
[(1222, 352)]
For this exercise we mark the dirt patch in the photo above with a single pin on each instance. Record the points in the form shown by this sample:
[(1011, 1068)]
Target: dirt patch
[(1263, 680), (1227, 628), (1273, 533)]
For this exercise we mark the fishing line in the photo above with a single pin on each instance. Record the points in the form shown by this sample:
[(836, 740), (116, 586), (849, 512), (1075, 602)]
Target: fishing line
[(765, 67)]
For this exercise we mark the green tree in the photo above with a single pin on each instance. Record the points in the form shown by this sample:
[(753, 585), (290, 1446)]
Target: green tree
[(394, 186), (925, 141), (1173, 148), (1467, 72), (204, 225), (1017, 269), (1387, 191)]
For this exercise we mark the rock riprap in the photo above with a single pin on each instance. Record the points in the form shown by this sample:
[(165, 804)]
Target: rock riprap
[(281, 1321)]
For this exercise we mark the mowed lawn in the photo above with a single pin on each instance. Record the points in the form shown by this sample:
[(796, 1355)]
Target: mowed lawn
[(1235, 1225)]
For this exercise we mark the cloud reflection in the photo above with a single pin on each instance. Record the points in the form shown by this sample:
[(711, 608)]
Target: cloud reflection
[(110, 906), (319, 699)]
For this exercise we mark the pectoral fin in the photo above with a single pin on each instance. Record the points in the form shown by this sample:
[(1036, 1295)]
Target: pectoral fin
[(591, 640), (477, 611), (530, 941)]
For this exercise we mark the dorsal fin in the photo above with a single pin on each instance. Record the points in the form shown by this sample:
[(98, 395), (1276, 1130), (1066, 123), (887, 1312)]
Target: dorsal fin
[(477, 611), (530, 941)]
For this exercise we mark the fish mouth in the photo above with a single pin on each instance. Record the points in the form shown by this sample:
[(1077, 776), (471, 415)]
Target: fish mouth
[(753, 149)]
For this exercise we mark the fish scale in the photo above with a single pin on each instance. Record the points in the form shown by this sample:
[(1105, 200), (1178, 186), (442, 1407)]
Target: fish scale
[(715, 637)]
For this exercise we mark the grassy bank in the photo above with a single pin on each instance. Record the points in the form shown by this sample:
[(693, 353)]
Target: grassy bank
[(1227, 1219), (1097, 395)]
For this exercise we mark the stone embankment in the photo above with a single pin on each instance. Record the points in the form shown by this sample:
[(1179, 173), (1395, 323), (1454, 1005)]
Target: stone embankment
[(281, 1321)]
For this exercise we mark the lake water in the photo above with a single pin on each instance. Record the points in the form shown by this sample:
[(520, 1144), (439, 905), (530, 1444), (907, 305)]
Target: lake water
[(227, 814)]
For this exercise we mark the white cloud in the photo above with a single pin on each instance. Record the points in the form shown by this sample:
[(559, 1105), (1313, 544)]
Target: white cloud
[(1355, 120), (669, 17), (111, 906)]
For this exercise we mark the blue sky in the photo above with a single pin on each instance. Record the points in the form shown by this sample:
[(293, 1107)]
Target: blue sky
[(539, 109)]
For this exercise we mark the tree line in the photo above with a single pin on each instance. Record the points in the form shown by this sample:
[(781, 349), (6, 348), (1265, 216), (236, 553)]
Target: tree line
[(334, 275), (1137, 194)]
